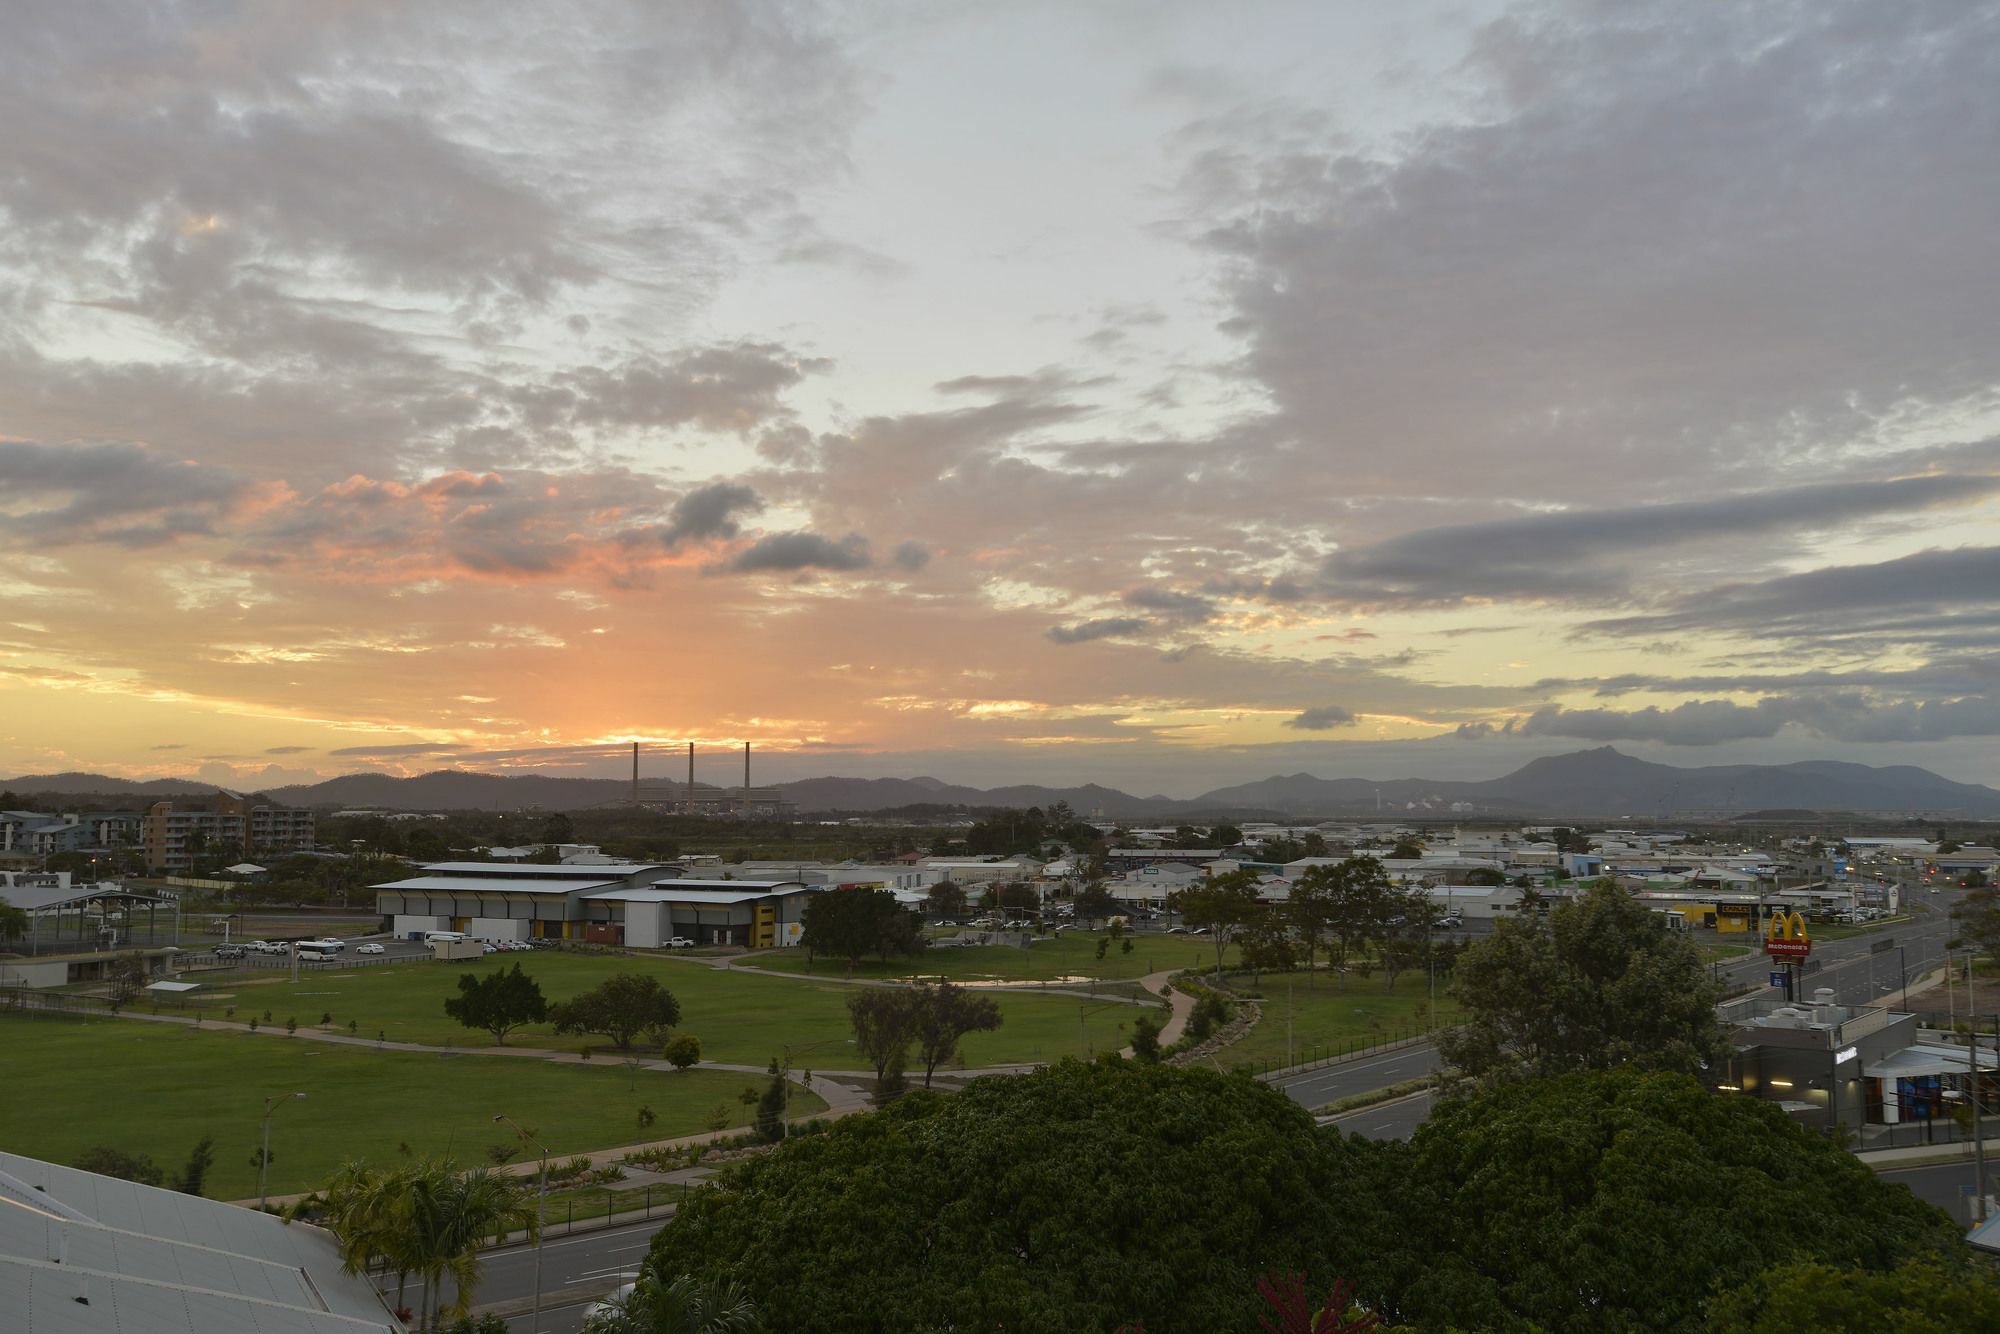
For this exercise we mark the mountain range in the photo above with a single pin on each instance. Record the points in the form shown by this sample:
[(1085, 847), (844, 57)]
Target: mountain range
[(1604, 783)]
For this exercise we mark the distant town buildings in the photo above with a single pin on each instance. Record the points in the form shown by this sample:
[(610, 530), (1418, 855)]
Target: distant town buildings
[(176, 833)]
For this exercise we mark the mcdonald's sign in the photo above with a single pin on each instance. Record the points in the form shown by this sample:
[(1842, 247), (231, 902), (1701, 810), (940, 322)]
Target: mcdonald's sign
[(1786, 938)]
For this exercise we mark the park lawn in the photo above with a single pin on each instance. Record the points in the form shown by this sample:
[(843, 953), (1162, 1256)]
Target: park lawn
[(158, 1088), (1068, 955), (1324, 1018), (741, 1018)]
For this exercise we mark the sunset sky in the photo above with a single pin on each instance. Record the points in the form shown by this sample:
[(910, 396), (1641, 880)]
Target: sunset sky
[(1162, 394)]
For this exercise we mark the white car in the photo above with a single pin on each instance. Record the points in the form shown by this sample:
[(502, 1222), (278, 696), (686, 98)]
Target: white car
[(680, 943), (372, 947)]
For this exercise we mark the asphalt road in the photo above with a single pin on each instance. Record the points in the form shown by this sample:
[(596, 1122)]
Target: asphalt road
[(1391, 1120), (576, 1271), (1316, 1088), (1941, 1185)]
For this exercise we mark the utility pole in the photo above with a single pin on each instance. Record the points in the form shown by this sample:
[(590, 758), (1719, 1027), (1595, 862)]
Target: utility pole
[(264, 1159), (541, 1211), (1978, 1131)]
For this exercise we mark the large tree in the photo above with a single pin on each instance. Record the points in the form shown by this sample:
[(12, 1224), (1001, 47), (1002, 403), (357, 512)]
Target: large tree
[(942, 1014), (850, 923), (1598, 983), (945, 899), (1978, 918), (1223, 906), (1917, 1297), (619, 1008), (1308, 911), (1079, 1197), (500, 1002), (1619, 1200), (1359, 898), (13, 922), (885, 1024)]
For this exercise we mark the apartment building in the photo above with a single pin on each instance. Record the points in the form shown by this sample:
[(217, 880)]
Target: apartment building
[(174, 832)]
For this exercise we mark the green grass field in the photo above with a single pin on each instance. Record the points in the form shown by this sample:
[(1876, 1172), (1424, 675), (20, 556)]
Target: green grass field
[(741, 1018), (1324, 1016), (1068, 955), (157, 1088)]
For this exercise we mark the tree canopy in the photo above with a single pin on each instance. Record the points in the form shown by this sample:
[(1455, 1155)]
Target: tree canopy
[(850, 923), (1078, 1197), (1596, 984), (619, 1008), (1620, 1200), (500, 1002)]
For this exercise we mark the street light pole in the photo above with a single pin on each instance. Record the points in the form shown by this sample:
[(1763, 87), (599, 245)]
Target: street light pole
[(264, 1159), (541, 1210)]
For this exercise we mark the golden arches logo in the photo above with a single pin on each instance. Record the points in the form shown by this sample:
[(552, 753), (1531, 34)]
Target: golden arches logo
[(1787, 926)]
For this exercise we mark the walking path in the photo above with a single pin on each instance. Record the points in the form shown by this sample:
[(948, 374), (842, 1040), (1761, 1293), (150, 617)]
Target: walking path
[(1180, 1008)]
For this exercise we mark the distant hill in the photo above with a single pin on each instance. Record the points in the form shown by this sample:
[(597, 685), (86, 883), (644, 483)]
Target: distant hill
[(1597, 784), (103, 785)]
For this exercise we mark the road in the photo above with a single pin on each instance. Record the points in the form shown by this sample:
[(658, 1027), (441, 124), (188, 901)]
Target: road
[(1858, 975), (1940, 1185), (576, 1271), (1316, 1088)]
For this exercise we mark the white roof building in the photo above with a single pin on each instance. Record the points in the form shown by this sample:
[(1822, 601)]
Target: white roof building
[(87, 1254)]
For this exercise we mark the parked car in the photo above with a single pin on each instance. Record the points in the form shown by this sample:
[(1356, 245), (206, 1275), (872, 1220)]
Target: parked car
[(372, 947), (230, 951), (680, 943), (258, 947), (489, 949)]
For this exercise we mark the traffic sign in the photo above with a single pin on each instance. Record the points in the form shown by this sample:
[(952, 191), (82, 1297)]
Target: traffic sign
[(1777, 979)]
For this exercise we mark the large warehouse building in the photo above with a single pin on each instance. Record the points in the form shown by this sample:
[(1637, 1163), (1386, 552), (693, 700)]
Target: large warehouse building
[(644, 905)]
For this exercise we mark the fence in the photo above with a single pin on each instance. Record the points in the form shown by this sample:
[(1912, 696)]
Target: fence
[(1320, 1054), (1938, 1130)]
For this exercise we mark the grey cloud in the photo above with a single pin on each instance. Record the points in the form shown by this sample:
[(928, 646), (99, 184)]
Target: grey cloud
[(1851, 718), (1103, 627), (1916, 595), (286, 750), (732, 387), (802, 551), (709, 512), (119, 494), (386, 752), (1322, 719), (1695, 723), (1555, 256), (1180, 606), (1480, 731), (1598, 553), (911, 556)]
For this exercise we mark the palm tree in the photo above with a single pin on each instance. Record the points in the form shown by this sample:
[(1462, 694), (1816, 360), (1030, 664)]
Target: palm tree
[(451, 1213), (687, 1305), (426, 1219)]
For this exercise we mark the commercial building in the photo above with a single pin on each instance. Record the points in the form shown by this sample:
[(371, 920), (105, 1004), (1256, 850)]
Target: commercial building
[(87, 1254), (173, 833), (639, 904)]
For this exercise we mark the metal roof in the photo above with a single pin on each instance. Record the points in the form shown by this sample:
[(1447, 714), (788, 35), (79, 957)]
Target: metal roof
[(743, 891), (544, 869), (469, 884), (162, 1262), (34, 898)]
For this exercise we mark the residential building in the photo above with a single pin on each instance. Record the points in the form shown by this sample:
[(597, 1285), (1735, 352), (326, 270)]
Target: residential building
[(175, 832)]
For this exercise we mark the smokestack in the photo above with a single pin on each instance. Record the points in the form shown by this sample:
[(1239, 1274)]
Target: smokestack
[(687, 798), (746, 778), (635, 773)]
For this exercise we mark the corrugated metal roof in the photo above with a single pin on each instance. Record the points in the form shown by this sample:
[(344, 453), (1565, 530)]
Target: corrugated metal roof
[(531, 869), (669, 891), (33, 898), (132, 1250), (468, 884)]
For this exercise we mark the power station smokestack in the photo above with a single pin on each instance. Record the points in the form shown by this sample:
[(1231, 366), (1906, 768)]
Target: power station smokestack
[(635, 773), (687, 803), (746, 779)]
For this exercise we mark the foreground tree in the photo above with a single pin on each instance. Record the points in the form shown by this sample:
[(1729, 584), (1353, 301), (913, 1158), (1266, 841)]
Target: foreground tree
[(110, 1162), (682, 1305), (620, 1008), (1599, 983), (942, 1014), (945, 899), (1075, 1198), (500, 1002), (1914, 1298), (1620, 1200), (13, 921), (1978, 918)]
